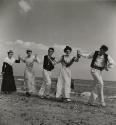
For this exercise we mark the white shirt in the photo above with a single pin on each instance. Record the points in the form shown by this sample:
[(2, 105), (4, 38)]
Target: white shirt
[(9, 61), (100, 60)]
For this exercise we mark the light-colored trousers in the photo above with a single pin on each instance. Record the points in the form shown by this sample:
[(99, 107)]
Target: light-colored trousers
[(29, 80), (64, 83), (46, 85), (97, 76)]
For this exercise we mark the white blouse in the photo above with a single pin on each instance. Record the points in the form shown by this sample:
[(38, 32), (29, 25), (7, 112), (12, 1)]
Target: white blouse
[(9, 61)]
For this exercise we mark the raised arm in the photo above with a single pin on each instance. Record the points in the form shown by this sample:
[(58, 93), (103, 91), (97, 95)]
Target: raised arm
[(17, 60), (36, 59), (78, 56), (86, 55), (53, 61), (21, 59)]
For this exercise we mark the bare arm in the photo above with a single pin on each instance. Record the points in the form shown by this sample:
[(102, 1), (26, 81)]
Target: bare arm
[(88, 56), (53, 61), (36, 59)]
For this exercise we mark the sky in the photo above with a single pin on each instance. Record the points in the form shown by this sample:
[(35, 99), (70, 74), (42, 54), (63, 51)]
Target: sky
[(40, 24)]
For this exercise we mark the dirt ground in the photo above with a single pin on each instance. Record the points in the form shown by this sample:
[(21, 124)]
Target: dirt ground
[(17, 109)]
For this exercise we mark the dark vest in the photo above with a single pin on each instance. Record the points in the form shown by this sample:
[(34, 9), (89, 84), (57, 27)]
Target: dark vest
[(94, 59), (47, 65), (69, 63)]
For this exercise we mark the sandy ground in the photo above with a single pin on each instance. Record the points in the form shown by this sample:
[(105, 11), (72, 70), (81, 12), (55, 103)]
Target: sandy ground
[(17, 109)]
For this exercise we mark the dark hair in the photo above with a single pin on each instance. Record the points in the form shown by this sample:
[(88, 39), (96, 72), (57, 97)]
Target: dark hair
[(10, 51), (104, 47), (28, 51), (51, 48), (67, 48)]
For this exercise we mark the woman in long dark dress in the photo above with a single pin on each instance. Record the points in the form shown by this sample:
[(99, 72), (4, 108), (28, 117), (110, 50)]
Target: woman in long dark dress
[(8, 82)]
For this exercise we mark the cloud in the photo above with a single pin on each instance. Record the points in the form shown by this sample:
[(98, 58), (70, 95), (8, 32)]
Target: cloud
[(24, 5), (43, 47), (59, 46), (31, 45), (19, 42)]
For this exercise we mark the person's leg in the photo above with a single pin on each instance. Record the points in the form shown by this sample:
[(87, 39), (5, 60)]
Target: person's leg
[(67, 84), (100, 91), (59, 86), (32, 88), (42, 89), (67, 90), (26, 87), (27, 83), (46, 86), (98, 78), (95, 76), (48, 83)]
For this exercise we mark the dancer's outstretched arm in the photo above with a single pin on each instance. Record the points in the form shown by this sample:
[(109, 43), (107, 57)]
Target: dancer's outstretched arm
[(21, 59), (86, 55), (36, 59), (53, 61), (18, 60), (59, 61)]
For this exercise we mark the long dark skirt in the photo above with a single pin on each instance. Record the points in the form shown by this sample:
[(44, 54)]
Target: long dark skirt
[(8, 84)]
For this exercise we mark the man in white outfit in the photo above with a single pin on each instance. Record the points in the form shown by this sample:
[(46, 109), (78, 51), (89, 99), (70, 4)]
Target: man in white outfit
[(100, 61), (48, 66)]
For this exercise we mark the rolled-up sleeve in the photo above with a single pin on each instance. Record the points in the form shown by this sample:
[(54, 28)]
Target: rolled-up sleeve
[(111, 62)]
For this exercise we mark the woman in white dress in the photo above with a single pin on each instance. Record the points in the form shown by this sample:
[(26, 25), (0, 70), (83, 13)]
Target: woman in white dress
[(29, 75), (64, 79)]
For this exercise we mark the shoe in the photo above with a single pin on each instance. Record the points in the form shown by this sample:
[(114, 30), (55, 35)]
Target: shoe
[(103, 104), (41, 96), (28, 94), (67, 100), (91, 104)]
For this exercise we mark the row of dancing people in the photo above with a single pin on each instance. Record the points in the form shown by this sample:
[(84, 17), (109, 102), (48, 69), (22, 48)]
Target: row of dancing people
[(100, 61)]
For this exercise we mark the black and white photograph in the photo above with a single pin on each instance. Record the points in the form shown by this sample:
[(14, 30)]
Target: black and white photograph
[(57, 62)]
